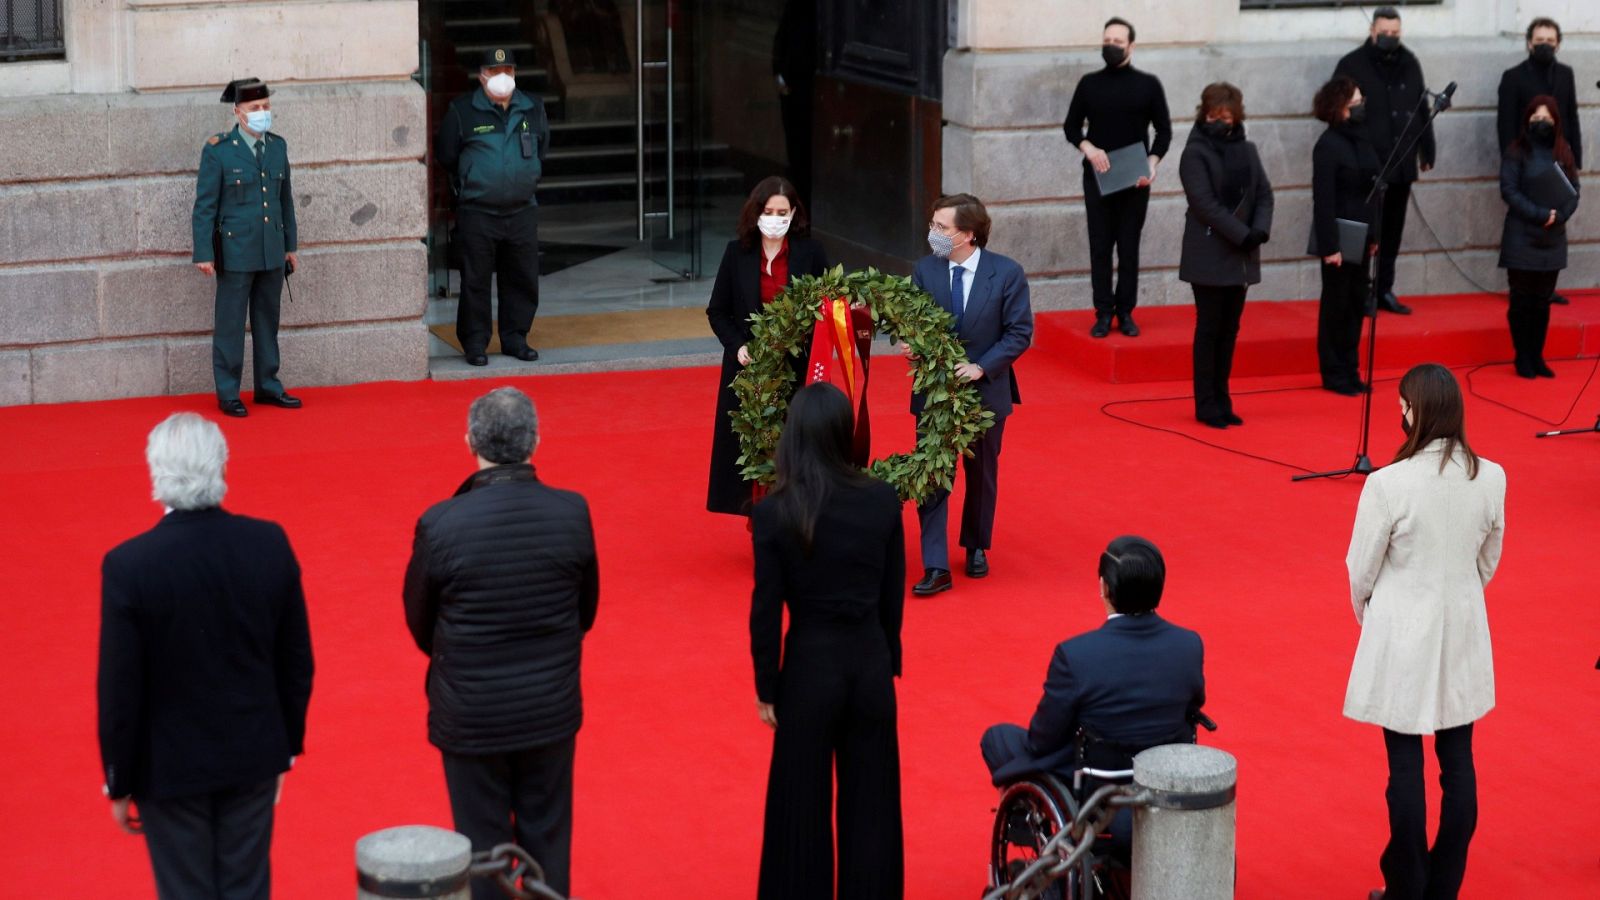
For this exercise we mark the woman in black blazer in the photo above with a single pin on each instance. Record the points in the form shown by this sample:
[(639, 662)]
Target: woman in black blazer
[(830, 545), (1229, 218), (771, 248), (1343, 168), (1533, 242)]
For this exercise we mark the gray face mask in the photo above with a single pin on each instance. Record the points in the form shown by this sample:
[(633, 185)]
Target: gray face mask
[(942, 245)]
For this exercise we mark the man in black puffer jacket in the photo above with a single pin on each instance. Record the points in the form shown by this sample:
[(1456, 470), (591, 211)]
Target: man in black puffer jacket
[(501, 588)]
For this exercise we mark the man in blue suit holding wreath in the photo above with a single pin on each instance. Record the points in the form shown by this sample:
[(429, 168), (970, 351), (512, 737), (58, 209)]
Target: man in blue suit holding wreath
[(986, 295)]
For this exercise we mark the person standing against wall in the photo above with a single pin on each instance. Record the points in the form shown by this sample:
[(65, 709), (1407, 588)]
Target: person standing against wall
[(1121, 105)]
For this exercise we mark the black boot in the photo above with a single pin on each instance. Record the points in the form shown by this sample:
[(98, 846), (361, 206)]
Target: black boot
[(1538, 328), (1516, 319)]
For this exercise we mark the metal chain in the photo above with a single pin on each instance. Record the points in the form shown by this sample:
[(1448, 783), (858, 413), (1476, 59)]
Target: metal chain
[(1060, 855), (519, 875)]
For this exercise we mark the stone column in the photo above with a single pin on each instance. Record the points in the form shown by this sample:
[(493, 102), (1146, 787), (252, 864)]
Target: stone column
[(413, 861), (1183, 839)]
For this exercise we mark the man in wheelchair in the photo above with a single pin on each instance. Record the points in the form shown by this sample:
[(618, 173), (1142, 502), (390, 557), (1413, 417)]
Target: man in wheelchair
[(1133, 683)]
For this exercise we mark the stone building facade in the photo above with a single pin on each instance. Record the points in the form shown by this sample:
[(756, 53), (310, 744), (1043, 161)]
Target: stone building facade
[(97, 161), (1008, 80)]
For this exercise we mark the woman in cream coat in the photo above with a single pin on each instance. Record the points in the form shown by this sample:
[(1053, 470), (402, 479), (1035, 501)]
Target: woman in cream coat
[(1426, 541)]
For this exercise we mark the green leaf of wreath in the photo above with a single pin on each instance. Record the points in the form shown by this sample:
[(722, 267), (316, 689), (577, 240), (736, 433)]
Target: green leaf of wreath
[(952, 416)]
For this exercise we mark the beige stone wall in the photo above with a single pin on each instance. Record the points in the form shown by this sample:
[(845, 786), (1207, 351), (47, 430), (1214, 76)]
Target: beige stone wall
[(97, 296), (1004, 105)]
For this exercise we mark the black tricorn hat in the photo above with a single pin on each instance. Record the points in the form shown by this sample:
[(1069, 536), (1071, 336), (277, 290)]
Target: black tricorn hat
[(497, 56), (244, 90)]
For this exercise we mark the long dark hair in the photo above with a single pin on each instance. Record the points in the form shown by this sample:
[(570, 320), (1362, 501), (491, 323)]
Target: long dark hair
[(813, 458), (1561, 150), (1436, 413), (766, 189)]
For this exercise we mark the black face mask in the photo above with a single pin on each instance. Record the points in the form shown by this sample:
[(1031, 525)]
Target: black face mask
[(1358, 113), (1387, 44), (1543, 54), (1113, 55), (1216, 128), (1405, 424), (1542, 132)]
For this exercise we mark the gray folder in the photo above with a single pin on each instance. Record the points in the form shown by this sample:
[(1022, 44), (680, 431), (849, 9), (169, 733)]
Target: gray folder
[(1128, 165), (1551, 189), (1352, 241)]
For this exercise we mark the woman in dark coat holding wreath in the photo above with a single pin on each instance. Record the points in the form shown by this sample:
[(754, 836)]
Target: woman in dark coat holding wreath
[(1533, 242), (771, 248), (829, 545), (1229, 218)]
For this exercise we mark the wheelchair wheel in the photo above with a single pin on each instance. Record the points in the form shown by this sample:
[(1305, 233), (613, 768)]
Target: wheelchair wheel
[(1029, 815)]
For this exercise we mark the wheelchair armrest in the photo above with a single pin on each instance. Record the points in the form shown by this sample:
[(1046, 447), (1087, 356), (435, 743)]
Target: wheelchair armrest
[(1103, 774), (1203, 720)]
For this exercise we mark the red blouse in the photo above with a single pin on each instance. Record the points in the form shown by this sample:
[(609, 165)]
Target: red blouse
[(773, 282)]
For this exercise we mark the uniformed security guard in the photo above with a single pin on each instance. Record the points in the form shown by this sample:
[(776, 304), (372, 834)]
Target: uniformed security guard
[(244, 234), (492, 142)]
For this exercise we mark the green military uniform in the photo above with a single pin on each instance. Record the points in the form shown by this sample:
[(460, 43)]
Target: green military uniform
[(244, 222)]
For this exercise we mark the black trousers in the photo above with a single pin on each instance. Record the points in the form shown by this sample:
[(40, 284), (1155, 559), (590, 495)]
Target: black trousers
[(215, 846), (836, 720), (1115, 222), (505, 248), (1396, 199), (522, 798), (1412, 871), (1343, 305), (1217, 311), (982, 473), (257, 295), (1529, 312)]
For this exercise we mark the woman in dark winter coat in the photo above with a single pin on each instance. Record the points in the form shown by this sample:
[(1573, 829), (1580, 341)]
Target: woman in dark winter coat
[(1229, 218), (1343, 168), (771, 248), (1533, 243)]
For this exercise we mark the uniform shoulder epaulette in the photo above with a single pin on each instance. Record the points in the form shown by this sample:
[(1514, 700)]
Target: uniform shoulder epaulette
[(215, 139)]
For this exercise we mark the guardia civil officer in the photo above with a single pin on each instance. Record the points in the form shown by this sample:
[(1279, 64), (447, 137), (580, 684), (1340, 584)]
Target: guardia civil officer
[(492, 142), (244, 234)]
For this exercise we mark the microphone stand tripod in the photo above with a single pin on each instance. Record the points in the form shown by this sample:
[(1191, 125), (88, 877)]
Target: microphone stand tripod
[(1591, 430), (1403, 147)]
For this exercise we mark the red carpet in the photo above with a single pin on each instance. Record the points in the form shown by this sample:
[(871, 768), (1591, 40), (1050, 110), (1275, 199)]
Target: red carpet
[(672, 760), (1278, 337)]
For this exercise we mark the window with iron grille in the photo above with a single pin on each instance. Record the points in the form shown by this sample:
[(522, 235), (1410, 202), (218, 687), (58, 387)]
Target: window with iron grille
[(1366, 6), (31, 30)]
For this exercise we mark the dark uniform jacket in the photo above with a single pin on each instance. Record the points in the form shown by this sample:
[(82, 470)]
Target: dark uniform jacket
[(1524, 241), (205, 656), (246, 208), (1218, 221), (1521, 83), (494, 156), (1393, 87), (1343, 167), (501, 588)]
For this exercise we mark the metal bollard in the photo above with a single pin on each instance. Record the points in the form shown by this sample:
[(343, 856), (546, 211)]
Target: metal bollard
[(1183, 835), (415, 861)]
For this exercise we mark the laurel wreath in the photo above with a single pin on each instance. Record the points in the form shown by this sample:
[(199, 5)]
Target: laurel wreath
[(952, 418)]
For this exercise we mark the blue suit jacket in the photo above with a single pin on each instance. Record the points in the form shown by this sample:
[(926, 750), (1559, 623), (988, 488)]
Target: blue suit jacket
[(997, 327), (1133, 680)]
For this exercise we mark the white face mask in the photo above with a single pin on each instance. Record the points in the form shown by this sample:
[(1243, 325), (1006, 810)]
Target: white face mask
[(501, 85), (773, 226)]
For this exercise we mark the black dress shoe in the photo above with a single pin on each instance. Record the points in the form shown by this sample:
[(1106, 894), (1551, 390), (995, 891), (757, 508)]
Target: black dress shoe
[(526, 354), (1232, 419), (1388, 302), (1213, 421), (477, 359), (280, 400), (1348, 390), (1126, 325), (234, 407), (933, 581), (1102, 327), (1524, 369), (1559, 300), (1542, 370), (977, 564)]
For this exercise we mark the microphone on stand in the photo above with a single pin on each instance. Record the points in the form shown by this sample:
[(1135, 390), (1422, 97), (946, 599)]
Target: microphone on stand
[(1441, 100)]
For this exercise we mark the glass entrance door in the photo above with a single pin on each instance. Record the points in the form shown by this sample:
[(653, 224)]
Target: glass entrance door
[(668, 161)]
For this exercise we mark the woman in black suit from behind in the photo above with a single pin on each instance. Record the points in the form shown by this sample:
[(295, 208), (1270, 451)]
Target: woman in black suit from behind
[(830, 545), (1533, 242), (1229, 218), (771, 248), (1343, 168)]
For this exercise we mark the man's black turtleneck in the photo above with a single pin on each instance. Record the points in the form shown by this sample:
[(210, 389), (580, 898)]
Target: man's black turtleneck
[(1121, 105)]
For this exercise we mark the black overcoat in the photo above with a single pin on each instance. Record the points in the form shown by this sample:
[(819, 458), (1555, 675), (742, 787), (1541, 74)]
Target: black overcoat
[(1524, 241), (1343, 167), (1213, 231), (1393, 88), (1527, 80), (734, 297)]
